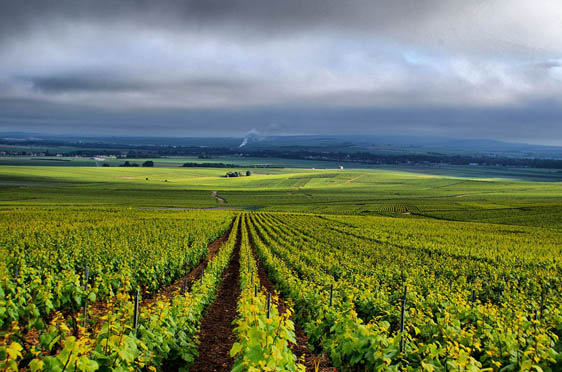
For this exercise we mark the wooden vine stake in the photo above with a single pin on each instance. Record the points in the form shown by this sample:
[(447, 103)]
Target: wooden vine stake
[(542, 305), (403, 310), (86, 277), (136, 313), (184, 287), (331, 294), (268, 305)]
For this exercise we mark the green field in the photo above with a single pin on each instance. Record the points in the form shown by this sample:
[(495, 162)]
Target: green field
[(472, 255), (451, 195), (174, 162)]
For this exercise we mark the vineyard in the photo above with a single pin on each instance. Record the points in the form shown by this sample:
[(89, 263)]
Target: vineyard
[(71, 283), (413, 285), (376, 296)]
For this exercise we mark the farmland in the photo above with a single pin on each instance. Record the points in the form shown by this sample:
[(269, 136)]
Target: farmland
[(450, 269)]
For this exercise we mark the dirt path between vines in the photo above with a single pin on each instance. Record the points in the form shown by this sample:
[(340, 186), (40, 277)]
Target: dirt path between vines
[(312, 361), (217, 331), (100, 308), (173, 289)]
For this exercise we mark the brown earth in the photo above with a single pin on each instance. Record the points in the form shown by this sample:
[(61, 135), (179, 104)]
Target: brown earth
[(217, 331)]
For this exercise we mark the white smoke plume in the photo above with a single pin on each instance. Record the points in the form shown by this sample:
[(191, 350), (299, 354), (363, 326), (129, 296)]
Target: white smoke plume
[(244, 142), (252, 135)]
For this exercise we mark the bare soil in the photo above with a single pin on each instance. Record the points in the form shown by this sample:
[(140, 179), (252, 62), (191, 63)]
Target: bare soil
[(216, 335)]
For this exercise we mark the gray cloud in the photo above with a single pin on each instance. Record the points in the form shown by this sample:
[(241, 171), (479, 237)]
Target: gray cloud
[(496, 26), (316, 65)]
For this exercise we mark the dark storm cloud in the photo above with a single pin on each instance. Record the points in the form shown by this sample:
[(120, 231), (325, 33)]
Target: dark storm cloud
[(471, 68), (104, 83), (61, 84), (284, 15)]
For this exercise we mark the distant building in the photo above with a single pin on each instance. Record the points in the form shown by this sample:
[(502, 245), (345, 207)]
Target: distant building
[(340, 167)]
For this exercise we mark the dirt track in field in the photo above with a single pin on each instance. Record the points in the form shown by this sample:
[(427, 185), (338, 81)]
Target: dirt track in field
[(217, 331), (219, 199)]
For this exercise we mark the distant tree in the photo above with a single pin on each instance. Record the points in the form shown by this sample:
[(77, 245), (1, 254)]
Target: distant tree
[(210, 165), (248, 173), (148, 163), (233, 174), (105, 165)]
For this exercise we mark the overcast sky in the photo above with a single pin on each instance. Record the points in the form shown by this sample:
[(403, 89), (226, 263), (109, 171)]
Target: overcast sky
[(478, 69)]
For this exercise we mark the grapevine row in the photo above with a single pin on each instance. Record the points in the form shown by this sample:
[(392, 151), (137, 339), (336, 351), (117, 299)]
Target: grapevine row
[(264, 333)]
